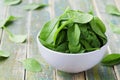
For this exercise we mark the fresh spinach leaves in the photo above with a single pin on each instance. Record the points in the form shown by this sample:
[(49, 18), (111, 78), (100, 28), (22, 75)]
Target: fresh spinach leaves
[(35, 6), (114, 28), (111, 59), (31, 64), (12, 2), (12, 37), (4, 54), (111, 9), (15, 38), (74, 32), (7, 20)]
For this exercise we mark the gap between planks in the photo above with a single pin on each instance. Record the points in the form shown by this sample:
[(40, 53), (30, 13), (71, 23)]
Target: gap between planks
[(117, 2), (28, 34), (52, 15), (4, 15)]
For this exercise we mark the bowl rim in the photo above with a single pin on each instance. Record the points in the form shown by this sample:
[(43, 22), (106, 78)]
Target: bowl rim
[(61, 53)]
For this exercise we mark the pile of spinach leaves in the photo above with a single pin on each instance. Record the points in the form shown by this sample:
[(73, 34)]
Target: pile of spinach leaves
[(74, 32)]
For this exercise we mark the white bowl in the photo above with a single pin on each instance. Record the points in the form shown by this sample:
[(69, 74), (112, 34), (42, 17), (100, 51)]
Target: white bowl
[(72, 63)]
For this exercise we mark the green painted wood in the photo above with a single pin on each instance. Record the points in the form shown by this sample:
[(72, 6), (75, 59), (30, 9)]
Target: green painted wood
[(117, 20), (11, 68), (69, 76), (2, 15), (100, 72), (31, 23), (35, 20)]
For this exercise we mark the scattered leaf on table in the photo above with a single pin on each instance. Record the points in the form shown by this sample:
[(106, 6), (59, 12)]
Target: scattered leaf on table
[(4, 54), (8, 19), (111, 59), (91, 10), (34, 6), (16, 38), (111, 9), (12, 2), (31, 64), (114, 28)]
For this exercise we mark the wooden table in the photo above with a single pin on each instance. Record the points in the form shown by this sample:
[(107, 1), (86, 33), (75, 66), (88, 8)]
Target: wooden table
[(30, 24)]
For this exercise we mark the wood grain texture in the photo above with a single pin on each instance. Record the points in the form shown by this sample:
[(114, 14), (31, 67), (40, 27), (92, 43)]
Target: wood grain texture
[(117, 68), (11, 68), (30, 24), (101, 72), (3, 10), (35, 20)]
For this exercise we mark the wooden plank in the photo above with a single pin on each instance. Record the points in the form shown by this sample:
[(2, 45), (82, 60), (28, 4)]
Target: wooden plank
[(2, 15), (101, 72), (11, 68), (69, 76), (117, 68), (36, 19)]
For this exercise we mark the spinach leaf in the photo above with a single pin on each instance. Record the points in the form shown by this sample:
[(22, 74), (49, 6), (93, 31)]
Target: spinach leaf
[(93, 40), (60, 28), (74, 48), (91, 10), (8, 19), (85, 44), (12, 2), (77, 16), (102, 40), (48, 45), (97, 25), (91, 49), (4, 54), (31, 64), (114, 28), (51, 36), (63, 47), (61, 37), (88, 38), (48, 28), (16, 38), (84, 31), (111, 9), (73, 34), (35, 6), (99, 28), (111, 59), (82, 18)]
